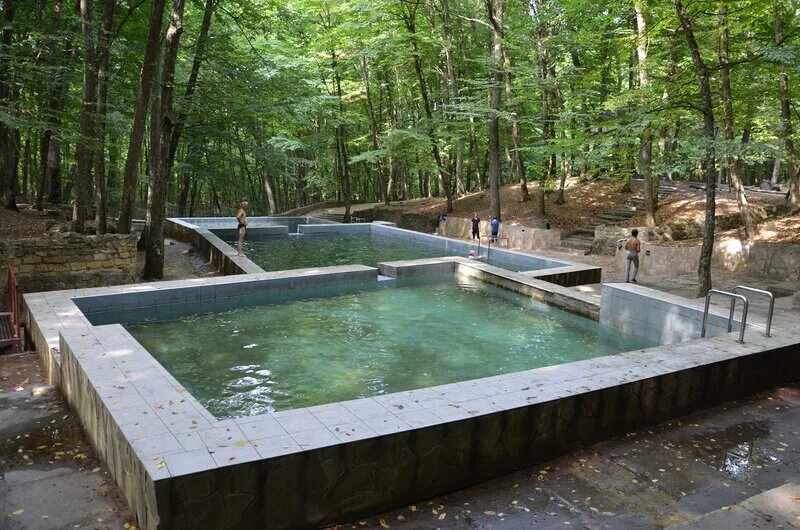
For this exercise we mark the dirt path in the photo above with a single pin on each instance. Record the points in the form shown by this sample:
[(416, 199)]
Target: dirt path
[(182, 261)]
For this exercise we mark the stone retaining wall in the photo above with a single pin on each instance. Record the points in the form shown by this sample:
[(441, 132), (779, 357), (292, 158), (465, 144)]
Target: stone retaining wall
[(409, 221), (777, 261), (519, 237), (68, 260)]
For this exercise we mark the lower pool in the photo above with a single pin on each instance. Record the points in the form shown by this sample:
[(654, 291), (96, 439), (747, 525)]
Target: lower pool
[(300, 251), (313, 351)]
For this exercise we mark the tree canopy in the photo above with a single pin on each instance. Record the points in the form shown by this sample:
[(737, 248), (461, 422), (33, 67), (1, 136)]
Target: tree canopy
[(291, 102)]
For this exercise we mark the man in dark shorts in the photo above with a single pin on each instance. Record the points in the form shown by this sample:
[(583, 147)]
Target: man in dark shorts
[(495, 225), (476, 226)]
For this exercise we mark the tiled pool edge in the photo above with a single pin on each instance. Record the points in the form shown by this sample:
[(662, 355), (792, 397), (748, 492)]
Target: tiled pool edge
[(647, 381), (225, 259), (536, 416)]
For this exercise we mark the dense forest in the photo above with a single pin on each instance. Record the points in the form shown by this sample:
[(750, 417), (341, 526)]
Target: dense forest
[(134, 108)]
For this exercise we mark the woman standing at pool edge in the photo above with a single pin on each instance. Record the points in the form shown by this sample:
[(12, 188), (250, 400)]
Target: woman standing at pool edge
[(242, 218)]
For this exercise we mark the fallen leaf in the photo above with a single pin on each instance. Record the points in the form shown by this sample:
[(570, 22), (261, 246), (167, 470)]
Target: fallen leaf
[(383, 524), (18, 512), (412, 508), (442, 516)]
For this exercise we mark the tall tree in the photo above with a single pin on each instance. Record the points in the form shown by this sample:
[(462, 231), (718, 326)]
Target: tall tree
[(709, 164), (84, 150), (646, 147), (733, 165), (786, 130), (494, 10), (9, 144), (148, 71), (163, 124), (103, 62), (409, 10)]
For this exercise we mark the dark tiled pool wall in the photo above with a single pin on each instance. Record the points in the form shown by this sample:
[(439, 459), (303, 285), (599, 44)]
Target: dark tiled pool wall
[(352, 480), (176, 302), (523, 261)]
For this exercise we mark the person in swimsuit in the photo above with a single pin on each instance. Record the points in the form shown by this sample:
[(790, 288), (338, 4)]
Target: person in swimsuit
[(633, 246), (241, 217)]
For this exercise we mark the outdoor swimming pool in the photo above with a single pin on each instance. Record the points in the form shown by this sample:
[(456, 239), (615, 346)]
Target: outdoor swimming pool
[(313, 351), (323, 250)]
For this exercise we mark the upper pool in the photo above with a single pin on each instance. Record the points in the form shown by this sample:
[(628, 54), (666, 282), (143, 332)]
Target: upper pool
[(300, 251), (299, 353)]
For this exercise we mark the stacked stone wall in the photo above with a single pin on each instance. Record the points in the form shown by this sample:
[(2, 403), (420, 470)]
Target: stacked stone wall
[(69, 261)]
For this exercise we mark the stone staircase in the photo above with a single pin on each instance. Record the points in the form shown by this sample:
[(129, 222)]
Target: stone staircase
[(580, 241)]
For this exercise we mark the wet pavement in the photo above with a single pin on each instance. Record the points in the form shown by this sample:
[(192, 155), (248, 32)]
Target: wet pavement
[(49, 475), (717, 462)]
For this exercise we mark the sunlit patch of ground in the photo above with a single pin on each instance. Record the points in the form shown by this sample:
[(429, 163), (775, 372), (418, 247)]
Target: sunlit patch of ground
[(584, 202)]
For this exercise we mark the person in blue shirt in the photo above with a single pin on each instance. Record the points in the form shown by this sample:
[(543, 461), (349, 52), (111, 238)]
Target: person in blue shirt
[(495, 224)]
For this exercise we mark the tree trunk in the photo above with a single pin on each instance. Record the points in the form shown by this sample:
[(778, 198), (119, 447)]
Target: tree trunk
[(376, 143), (786, 131), (164, 120), (104, 58), (513, 109), (646, 146), (494, 9), (341, 143), (727, 109), (191, 84), (84, 151), (409, 18), (452, 83), (149, 67), (707, 108), (9, 149)]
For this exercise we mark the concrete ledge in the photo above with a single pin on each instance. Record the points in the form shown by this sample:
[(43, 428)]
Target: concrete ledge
[(549, 293), (569, 276), (645, 312), (354, 228)]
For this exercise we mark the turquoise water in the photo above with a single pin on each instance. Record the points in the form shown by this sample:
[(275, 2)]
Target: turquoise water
[(300, 252), (322, 350)]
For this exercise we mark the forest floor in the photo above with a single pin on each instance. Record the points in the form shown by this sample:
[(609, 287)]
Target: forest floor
[(586, 201), (29, 222)]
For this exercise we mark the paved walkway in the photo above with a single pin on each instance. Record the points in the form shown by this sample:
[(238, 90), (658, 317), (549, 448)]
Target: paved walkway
[(49, 476), (735, 465)]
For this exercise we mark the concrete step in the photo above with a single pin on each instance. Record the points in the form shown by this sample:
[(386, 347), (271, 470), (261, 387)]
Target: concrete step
[(576, 245), (573, 251), (585, 231), (775, 508)]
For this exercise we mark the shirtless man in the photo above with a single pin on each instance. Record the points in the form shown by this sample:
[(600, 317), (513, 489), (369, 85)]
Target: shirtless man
[(633, 246), (241, 216)]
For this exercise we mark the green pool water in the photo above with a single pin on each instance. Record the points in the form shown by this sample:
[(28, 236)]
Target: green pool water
[(322, 350), (304, 251)]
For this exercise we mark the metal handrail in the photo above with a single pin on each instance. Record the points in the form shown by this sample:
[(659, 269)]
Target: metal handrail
[(489, 248), (771, 302), (734, 297)]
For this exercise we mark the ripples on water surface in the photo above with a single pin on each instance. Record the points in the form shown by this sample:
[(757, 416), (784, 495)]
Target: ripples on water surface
[(321, 350)]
